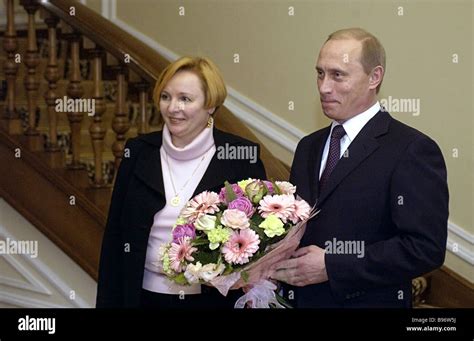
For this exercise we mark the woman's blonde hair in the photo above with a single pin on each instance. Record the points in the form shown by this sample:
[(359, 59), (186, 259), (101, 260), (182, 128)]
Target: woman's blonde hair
[(211, 79)]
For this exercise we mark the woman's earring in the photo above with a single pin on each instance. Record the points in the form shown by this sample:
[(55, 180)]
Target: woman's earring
[(210, 121)]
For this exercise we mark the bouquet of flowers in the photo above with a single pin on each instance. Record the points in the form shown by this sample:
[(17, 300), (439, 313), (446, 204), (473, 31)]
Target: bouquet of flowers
[(231, 239)]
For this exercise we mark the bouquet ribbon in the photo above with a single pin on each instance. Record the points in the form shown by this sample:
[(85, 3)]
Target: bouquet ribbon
[(261, 295)]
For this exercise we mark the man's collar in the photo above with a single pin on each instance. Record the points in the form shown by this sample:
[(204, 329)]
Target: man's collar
[(355, 124)]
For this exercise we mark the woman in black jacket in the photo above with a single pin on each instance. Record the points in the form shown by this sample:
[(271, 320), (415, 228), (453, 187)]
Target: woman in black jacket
[(158, 174)]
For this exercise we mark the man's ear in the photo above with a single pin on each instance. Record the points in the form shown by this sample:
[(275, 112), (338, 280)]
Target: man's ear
[(376, 77)]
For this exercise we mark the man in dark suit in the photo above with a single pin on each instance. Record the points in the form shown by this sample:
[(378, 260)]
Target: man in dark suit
[(380, 185)]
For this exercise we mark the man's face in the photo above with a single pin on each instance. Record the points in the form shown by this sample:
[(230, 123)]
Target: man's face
[(342, 82)]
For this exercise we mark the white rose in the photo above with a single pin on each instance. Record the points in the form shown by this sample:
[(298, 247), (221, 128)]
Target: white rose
[(235, 219), (286, 187), (209, 271), (192, 272), (205, 222)]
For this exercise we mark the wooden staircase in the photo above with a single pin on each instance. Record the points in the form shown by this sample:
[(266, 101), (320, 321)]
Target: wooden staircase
[(56, 168)]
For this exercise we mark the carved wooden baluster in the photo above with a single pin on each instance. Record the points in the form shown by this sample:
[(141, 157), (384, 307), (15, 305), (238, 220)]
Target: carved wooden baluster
[(51, 74), (120, 123), (143, 100), (31, 82), (96, 129), (11, 118), (75, 91)]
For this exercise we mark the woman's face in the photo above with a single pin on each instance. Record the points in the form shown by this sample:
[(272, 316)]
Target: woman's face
[(182, 107)]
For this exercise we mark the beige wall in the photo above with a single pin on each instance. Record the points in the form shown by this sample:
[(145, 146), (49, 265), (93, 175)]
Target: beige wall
[(96, 5), (278, 53)]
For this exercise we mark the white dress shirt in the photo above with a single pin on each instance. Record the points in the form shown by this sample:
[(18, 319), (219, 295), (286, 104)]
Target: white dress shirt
[(352, 127)]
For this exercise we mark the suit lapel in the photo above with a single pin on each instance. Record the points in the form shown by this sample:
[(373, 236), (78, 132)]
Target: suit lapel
[(148, 166), (363, 145)]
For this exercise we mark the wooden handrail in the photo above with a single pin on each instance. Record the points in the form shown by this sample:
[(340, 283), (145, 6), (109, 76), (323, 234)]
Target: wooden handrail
[(145, 61)]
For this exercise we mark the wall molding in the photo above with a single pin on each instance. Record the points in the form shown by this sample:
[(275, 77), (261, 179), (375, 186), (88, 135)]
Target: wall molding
[(26, 302), (32, 283), (272, 126), (465, 245)]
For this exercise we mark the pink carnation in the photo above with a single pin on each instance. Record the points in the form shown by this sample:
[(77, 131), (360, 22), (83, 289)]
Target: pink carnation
[(241, 245), (203, 203), (282, 206)]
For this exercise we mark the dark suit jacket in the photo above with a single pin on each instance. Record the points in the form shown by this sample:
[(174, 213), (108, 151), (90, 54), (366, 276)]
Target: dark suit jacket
[(138, 194), (390, 193)]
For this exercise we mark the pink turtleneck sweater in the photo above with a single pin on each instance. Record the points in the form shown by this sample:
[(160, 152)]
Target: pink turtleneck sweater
[(182, 163)]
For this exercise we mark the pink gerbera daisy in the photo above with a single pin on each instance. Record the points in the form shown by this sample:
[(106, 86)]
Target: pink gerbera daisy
[(241, 246), (302, 210), (179, 253), (203, 203), (282, 206)]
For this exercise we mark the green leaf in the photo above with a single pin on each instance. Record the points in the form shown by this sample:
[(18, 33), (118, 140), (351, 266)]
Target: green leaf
[(200, 241), (207, 256), (245, 276), (228, 269), (258, 230), (219, 216), (276, 188), (265, 189), (180, 279), (230, 194)]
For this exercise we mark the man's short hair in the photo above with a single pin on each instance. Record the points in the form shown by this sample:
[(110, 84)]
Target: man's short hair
[(211, 79), (373, 53)]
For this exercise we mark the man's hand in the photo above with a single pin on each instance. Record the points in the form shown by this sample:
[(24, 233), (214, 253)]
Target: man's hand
[(306, 268)]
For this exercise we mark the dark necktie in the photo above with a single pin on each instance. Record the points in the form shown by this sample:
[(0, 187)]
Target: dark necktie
[(333, 156)]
